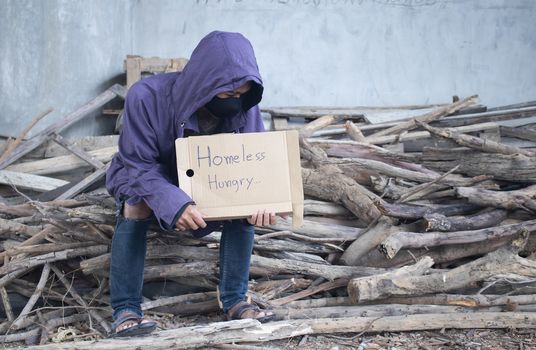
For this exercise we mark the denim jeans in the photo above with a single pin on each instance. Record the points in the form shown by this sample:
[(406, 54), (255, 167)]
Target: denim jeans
[(128, 257)]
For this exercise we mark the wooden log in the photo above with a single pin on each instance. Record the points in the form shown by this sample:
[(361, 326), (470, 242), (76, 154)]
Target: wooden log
[(43, 248), (12, 275), (26, 263), (514, 168), (327, 182), (492, 114), (8, 310), (310, 228), (272, 289), (484, 145), (296, 236), (417, 146), (16, 210), (354, 149), (374, 311), (389, 170), (418, 191), (399, 240), (405, 211), (14, 227), (313, 207), (234, 346), (369, 240), (252, 330), (329, 272), (428, 117), (275, 245), (354, 132), (419, 135), (500, 262), (29, 209), (62, 163), (191, 309), (320, 302), (441, 254), (518, 199), (308, 129), (179, 299), (466, 300), (520, 133), (311, 258), (474, 115), (310, 291), (28, 181), (24, 247), (389, 187), (487, 218), (362, 289), (316, 112), (102, 262), (180, 270)]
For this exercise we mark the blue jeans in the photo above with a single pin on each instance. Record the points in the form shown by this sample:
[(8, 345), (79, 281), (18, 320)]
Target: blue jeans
[(128, 257)]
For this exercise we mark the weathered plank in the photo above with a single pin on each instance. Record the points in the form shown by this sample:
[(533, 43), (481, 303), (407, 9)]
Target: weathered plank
[(30, 181)]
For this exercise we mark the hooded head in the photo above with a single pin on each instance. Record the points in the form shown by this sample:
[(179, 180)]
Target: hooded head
[(222, 62)]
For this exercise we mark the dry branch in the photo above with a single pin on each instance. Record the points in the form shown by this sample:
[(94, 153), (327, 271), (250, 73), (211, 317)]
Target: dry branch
[(428, 117), (518, 199), (474, 142), (253, 331), (500, 262), (400, 240), (489, 218), (33, 299)]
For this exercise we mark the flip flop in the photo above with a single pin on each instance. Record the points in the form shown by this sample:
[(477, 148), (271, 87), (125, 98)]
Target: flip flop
[(135, 330), (244, 306)]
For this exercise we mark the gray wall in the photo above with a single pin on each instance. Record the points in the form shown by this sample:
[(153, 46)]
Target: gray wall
[(310, 52), (58, 54)]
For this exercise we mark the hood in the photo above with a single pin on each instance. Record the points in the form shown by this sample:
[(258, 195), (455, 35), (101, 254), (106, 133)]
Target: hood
[(222, 61)]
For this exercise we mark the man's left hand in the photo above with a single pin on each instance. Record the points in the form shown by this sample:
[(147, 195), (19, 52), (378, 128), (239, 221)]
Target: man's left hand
[(262, 218)]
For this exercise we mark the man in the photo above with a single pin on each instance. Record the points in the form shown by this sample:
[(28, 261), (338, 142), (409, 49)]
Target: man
[(217, 92)]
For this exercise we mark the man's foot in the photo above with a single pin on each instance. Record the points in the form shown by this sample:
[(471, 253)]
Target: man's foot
[(243, 310), (129, 324)]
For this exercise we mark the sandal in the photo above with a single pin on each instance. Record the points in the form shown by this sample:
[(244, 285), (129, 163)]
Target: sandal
[(236, 312), (139, 325)]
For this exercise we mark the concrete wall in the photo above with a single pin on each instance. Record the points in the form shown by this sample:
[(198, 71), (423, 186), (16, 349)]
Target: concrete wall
[(310, 52), (58, 54)]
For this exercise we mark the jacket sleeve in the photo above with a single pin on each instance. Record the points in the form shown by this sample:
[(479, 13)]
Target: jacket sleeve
[(148, 178)]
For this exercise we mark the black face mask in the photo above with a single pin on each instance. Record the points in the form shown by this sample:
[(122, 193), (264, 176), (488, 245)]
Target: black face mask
[(224, 107)]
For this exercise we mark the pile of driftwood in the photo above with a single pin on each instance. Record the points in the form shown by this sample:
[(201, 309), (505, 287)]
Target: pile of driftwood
[(420, 223)]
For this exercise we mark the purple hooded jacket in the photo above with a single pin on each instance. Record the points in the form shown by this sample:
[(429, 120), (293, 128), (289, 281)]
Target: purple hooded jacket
[(157, 111)]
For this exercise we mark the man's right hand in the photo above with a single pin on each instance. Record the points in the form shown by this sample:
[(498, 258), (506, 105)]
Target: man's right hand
[(191, 219)]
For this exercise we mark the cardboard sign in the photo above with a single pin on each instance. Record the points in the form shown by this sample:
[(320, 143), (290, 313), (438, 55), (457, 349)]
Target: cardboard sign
[(234, 175)]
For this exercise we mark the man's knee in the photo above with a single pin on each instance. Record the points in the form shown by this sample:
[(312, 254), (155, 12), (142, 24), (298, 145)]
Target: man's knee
[(138, 211)]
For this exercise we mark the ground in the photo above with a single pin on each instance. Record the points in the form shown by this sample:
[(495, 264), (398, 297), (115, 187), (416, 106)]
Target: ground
[(471, 339)]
